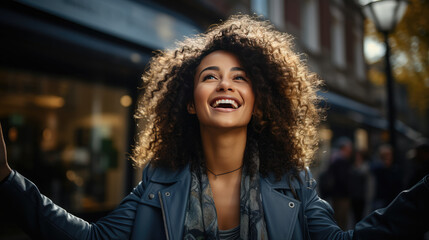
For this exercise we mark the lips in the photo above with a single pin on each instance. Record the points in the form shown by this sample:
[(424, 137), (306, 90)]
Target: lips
[(225, 102)]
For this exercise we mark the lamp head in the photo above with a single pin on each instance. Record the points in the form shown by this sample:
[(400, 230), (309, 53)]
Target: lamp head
[(385, 13)]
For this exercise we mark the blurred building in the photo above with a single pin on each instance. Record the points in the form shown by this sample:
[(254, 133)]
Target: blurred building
[(69, 72)]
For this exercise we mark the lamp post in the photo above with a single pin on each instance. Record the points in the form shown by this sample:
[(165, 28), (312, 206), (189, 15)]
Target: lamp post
[(386, 14)]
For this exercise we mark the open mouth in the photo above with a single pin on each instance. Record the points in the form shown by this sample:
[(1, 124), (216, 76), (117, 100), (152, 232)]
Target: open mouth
[(225, 103)]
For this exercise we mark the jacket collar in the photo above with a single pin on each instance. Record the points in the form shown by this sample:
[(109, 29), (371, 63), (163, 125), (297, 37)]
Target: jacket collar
[(280, 210), (168, 176), (286, 182), (166, 188)]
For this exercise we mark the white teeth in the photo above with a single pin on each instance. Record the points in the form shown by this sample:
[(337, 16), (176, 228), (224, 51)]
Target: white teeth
[(226, 101)]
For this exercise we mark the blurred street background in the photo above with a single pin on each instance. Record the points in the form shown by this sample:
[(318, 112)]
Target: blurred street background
[(70, 72)]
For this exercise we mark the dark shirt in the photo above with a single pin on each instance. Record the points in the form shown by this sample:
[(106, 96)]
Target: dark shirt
[(230, 234), (340, 170)]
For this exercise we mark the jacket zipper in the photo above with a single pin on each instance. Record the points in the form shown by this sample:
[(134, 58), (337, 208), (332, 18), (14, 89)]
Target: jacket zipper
[(163, 216)]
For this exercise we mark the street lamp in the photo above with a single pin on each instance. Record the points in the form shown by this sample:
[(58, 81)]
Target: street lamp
[(386, 14)]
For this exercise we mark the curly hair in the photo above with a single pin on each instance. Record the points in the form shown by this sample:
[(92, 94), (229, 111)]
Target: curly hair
[(283, 128)]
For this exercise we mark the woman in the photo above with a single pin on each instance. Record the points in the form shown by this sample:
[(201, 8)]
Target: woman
[(230, 123)]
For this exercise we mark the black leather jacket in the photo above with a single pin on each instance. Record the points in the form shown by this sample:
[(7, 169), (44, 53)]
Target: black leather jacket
[(156, 209)]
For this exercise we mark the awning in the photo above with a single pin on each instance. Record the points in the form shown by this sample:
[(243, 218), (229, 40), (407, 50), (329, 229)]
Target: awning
[(365, 114)]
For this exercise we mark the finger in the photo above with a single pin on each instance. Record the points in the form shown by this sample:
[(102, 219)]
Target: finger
[(2, 147), (5, 170), (1, 131)]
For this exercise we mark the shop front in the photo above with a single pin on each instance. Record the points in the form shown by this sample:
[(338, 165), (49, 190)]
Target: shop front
[(68, 86)]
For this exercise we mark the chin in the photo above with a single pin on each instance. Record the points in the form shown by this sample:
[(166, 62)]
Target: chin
[(224, 122), (229, 125)]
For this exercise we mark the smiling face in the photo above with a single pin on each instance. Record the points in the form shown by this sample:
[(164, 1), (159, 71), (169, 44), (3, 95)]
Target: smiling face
[(223, 95)]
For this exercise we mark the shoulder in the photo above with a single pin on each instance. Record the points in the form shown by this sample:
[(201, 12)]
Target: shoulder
[(307, 184), (300, 179), (307, 192), (164, 175), (299, 185), (306, 178)]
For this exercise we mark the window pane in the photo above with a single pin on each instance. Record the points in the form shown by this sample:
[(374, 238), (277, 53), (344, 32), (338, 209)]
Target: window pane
[(67, 135)]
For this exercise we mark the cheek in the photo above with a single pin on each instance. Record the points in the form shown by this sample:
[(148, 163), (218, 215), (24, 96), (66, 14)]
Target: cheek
[(250, 97), (200, 96)]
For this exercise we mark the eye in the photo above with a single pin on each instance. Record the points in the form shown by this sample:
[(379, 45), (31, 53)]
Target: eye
[(239, 77), (209, 77)]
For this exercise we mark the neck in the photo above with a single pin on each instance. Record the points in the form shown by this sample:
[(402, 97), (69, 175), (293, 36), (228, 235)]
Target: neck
[(224, 149)]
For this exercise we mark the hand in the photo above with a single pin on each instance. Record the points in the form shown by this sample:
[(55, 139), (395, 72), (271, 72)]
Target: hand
[(4, 167)]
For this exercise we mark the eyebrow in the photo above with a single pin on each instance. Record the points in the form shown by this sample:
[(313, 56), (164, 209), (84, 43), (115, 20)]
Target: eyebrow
[(217, 69), (237, 69)]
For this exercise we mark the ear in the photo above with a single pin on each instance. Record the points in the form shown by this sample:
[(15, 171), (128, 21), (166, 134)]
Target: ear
[(191, 108)]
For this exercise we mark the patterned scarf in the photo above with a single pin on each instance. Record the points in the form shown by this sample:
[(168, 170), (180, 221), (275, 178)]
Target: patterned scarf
[(201, 217)]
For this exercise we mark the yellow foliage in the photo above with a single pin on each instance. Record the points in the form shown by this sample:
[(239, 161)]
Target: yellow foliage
[(410, 52), (376, 77)]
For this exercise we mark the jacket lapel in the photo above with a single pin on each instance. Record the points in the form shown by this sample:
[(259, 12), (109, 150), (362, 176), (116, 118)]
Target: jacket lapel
[(280, 210), (171, 189)]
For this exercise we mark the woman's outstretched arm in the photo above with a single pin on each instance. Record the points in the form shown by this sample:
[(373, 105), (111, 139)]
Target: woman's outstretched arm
[(407, 217), (39, 217)]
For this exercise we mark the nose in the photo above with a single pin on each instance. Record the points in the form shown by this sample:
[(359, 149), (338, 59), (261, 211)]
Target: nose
[(225, 85)]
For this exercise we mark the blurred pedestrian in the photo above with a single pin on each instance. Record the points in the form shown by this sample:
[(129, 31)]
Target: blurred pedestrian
[(419, 163), (359, 180), (340, 170), (387, 177)]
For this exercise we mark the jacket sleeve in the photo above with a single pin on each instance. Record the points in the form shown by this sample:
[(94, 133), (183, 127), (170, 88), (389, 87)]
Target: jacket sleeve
[(319, 215), (42, 219), (406, 217)]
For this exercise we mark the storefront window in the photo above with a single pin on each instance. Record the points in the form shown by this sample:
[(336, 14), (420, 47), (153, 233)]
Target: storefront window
[(67, 135)]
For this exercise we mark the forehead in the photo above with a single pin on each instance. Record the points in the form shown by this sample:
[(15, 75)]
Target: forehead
[(219, 58)]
